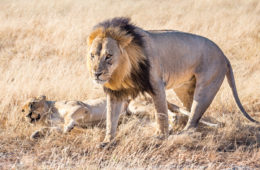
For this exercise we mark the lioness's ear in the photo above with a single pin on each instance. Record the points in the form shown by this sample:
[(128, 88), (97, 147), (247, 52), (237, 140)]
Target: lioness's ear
[(42, 97), (87, 109), (25, 107)]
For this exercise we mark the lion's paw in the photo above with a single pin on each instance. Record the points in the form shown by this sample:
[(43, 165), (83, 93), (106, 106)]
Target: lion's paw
[(36, 135)]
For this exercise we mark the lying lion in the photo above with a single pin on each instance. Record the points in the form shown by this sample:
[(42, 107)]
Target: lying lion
[(62, 116), (57, 114)]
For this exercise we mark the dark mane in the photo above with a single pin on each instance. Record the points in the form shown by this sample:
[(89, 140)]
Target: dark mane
[(124, 24), (140, 77), (141, 81)]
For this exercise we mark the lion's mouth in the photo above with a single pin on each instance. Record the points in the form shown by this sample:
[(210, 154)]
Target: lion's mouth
[(99, 81), (32, 120)]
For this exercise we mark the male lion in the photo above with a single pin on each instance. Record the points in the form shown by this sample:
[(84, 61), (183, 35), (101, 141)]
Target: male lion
[(128, 60)]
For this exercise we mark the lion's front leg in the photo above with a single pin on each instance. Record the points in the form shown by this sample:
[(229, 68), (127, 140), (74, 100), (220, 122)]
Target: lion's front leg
[(68, 126), (114, 109), (44, 131), (40, 133), (161, 114)]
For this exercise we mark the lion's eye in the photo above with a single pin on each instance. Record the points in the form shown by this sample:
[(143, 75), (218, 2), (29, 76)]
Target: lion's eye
[(108, 57), (92, 56)]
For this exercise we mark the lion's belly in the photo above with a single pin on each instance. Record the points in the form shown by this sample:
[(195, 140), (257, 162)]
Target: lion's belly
[(173, 80)]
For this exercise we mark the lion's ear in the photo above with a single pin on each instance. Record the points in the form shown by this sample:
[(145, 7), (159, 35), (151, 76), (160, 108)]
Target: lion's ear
[(122, 37), (42, 97), (124, 41), (96, 33)]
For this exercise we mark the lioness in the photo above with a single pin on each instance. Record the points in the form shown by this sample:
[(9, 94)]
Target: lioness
[(66, 114), (128, 60)]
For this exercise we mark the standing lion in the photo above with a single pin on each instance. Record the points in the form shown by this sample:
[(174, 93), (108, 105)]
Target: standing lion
[(128, 60)]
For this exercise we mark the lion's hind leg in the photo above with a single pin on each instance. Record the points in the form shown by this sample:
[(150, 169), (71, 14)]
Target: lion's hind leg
[(185, 94), (205, 91)]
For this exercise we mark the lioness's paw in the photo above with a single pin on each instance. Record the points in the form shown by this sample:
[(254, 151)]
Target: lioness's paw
[(103, 145), (36, 135)]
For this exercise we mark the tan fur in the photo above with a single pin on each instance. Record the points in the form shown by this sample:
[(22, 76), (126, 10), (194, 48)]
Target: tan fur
[(66, 114)]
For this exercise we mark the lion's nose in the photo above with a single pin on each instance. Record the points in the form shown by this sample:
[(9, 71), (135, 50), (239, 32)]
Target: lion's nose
[(97, 74), (29, 115)]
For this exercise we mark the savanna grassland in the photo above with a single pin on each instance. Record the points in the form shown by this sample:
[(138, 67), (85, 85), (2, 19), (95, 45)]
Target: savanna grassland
[(43, 51)]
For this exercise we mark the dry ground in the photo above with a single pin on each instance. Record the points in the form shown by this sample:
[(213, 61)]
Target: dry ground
[(42, 51)]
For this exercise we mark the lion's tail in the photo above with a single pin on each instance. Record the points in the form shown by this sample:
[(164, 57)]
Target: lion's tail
[(232, 84)]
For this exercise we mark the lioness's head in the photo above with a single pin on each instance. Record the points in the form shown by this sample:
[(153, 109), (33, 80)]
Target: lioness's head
[(35, 108)]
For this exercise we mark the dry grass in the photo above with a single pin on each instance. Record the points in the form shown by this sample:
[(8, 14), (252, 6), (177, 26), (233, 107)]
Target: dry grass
[(42, 51)]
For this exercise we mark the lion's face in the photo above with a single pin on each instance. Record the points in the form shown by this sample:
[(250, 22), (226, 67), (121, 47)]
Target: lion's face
[(103, 58), (35, 108)]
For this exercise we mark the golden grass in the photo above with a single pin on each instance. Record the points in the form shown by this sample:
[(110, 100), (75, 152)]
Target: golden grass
[(42, 51)]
